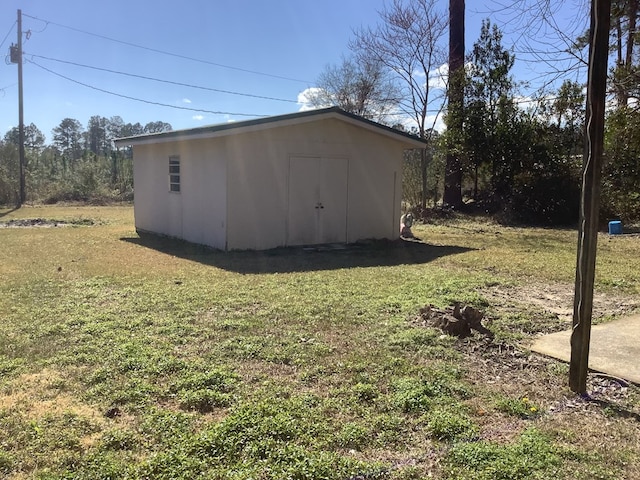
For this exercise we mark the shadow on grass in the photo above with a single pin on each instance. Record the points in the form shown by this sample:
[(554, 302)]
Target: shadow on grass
[(4, 214), (614, 410), (299, 259)]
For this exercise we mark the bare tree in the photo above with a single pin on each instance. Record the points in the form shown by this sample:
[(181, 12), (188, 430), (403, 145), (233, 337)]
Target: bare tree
[(408, 42), (358, 85), (551, 42)]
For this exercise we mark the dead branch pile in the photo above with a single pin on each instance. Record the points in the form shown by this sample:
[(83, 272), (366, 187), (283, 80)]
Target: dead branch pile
[(454, 320)]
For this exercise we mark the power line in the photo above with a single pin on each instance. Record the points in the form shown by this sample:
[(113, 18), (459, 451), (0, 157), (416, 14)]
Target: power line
[(150, 102), (162, 80), (177, 55), (8, 33)]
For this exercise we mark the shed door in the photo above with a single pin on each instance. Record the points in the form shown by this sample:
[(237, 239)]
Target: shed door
[(317, 200)]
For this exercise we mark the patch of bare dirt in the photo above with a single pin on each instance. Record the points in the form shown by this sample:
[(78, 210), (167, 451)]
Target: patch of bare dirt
[(501, 369), (32, 222), (40, 394), (44, 223), (507, 371), (556, 299)]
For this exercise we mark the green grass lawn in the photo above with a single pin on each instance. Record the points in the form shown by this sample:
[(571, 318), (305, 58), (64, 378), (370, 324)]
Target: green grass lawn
[(129, 357)]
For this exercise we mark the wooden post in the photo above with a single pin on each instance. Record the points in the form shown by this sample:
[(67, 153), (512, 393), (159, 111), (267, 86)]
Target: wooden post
[(590, 201)]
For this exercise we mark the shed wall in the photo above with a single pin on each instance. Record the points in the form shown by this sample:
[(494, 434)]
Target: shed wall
[(196, 214), (259, 173)]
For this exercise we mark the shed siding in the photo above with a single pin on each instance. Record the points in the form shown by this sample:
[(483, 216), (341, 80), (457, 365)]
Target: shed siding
[(196, 214), (258, 180), (258, 174)]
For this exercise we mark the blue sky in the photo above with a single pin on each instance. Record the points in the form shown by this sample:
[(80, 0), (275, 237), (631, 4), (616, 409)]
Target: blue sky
[(277, 49)]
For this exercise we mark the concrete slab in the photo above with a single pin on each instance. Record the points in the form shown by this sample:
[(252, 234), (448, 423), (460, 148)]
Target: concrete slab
[(614, 347)]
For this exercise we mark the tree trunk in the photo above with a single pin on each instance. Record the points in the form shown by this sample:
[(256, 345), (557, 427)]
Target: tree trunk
[(620, 89), (475, 179), (114, 168), (631, 34), (453, 169), (423, 171)]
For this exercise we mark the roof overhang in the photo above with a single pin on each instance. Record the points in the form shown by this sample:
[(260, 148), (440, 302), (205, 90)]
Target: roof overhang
[(235, 128)]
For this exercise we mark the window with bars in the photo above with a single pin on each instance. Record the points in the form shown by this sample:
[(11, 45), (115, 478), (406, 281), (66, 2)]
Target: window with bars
[(174, 174)]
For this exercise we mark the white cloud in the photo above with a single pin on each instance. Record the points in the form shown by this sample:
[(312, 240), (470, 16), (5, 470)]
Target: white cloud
[(198, 117), (439, 125), (526, 102), (186, 100), (304, 99), (439, 77), (435, 120)]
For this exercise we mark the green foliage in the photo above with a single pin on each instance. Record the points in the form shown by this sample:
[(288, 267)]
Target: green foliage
[(490, 110), (520, 165), (205, 391), (78, 165), (118, 439), (412, 170), (278, 435), (365, 392), (451, 423), (6, 462), (518, 407), (621, 174), (9, 171), (545, 183), (413, 395), (533, 456), (8, 366), (353, 435)]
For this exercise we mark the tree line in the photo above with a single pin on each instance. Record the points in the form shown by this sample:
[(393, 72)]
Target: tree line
[(79, 164), (514, 156)]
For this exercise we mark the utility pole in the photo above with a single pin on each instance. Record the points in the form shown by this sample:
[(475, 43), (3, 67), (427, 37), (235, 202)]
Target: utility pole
[(590, 201), (17, 58)]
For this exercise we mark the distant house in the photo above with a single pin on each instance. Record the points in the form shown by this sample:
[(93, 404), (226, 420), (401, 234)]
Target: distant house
[(313, 177)]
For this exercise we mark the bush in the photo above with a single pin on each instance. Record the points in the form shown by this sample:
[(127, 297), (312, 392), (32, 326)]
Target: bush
[(547, 195)]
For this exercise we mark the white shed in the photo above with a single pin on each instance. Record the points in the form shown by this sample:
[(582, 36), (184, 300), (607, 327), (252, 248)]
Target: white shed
[(313, 177)]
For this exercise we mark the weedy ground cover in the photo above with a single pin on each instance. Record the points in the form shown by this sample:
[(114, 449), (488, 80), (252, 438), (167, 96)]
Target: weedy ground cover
[(129, 357)]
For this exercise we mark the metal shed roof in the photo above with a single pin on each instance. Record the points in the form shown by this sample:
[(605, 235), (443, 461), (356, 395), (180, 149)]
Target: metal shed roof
[(233, 128)]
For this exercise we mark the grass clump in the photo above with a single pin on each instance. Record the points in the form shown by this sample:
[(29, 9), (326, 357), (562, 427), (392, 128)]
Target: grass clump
[(418, 395), (532, 456), (450, 424), (6, 462), (286, 435), (518, 407), (205, 391)]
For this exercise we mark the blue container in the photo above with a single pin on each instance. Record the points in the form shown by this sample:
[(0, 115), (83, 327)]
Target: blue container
[(615, 228)]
